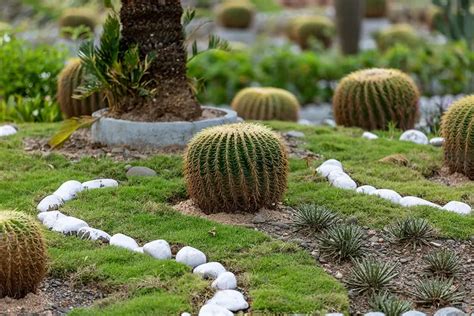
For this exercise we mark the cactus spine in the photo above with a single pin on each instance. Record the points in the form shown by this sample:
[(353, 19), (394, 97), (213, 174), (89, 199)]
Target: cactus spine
[(235, 14), (236, 167), (22, 255), (373, 98), (266, 104), (457, 128), (70, 78)]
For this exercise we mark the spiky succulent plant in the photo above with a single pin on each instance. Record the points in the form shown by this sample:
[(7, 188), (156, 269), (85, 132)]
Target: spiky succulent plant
[(370, 275), (389, 304), (236, 167), (415, 231), (375, 99), (403, 34), (235, 14), (437, 292), (315, 217), (342, 242), (443, 263), (77, 17), (266, 104), (375, 8), (306, 29), (457, 128), (70, 78), (22, 255)]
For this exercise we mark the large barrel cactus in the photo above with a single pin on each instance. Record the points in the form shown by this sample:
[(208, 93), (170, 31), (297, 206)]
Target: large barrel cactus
[(266, 104), (76, 17), (70, 78), (375, 8), (457, 128), (22, 255), (403, 34), (373, 98), (237, 167), (306, 29), (235, 14)]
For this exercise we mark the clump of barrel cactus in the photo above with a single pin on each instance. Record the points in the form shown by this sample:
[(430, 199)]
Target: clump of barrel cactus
[(457, 128), (237, 167), (403, 34), (266, 104), (373, 98), (235, 14), (375, 8), (22, 255), (306, 29), (70, 78), (77, 17)]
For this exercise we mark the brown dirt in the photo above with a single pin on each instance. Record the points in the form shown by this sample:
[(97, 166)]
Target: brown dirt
[(54, 297), (446, 177), (278, 224), (205, 115)]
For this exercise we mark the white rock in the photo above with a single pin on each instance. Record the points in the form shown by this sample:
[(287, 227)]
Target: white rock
[(185, 314), (68, 190), (93, 234), (334, 314), (413, 313), (414, 136), (214, 310), (365, 189), (7, 130), (68, 225), (450, 311), (225, 281), (123, 241), (369, 136), (50, 203), (325, 170), (344, 182), (332, 162), (229, 299), (138, 250), (191, 256), (210, 270), (295, 134), (100, 183), (158, 249), (388, 195), (458, 207), (333, 175), (374, 314), (437, 141), (409, 201), (50, 218)]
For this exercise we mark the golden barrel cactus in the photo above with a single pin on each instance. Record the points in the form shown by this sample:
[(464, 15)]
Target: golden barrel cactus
[(70, 78), (372, 98), (76, 17), (403, 34), (457, 128), (266, 104), (22, 255), (235, 14), (305, 29), (236, 168), (375, 8)]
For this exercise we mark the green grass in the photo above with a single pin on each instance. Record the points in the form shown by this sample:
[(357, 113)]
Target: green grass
[(279, 277)]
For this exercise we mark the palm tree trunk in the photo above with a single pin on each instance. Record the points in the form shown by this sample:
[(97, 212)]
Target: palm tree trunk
[(349, 24), (155, 26)]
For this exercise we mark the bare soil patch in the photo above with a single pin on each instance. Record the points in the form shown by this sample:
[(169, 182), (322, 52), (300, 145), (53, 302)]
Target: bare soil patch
[(446, 177)]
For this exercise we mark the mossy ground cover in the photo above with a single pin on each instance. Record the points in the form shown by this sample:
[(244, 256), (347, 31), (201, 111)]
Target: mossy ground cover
[(279, 277)]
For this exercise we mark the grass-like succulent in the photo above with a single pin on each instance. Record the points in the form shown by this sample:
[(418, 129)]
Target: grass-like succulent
[(443, 263), (342, 242), (415, 231), (315, 217), (437, 292), (389, 304), (370, 275)]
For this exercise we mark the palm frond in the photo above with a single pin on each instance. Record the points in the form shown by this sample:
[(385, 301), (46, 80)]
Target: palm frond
[(68, 128)]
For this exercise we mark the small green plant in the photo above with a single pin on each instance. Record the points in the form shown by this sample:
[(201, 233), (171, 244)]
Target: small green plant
[(458, 132), (235, 14), (437, 292), (236, 167), (389, 304), (315, 217), (22, 255), (415, 231), (371, 275), (443, 263), (266, 104), (29, 109), (342, 242)]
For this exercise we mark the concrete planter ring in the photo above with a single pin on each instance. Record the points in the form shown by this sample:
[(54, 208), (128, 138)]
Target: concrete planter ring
[(116, 132)]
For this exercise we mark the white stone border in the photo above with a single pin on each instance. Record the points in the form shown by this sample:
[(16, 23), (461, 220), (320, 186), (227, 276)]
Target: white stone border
[(225, 301)]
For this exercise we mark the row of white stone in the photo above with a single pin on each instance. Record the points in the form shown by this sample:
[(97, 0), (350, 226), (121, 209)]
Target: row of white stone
[(413, 136), (7, 130), (225, 301), (332, 170)]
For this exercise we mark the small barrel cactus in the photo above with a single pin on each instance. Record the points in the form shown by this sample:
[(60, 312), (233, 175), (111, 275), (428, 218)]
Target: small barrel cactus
[(403, 34), (306, 29), (375, 8), (266, 104), (235, 14), (70, 78), (76, 17), (237, 167), (22, 255), (373, 98), (457, 128)]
